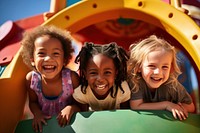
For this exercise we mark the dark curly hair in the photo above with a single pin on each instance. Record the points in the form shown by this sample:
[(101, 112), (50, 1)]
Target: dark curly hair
[(28, 42), (111, 50)]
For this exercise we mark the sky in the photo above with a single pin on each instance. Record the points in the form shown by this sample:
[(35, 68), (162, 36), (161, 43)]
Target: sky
[(19, 9)]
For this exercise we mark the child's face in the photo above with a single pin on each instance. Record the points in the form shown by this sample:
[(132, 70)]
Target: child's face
[(48, 57), (156, 68), (100, 74)]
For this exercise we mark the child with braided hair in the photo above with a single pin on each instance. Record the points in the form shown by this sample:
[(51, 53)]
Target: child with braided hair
[(103, 72)]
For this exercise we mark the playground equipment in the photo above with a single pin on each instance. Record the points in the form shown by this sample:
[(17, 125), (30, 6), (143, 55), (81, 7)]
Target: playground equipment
[(178, 26)]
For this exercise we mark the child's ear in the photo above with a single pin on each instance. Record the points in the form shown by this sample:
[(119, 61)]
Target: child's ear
[(65, 62), (32, 62)]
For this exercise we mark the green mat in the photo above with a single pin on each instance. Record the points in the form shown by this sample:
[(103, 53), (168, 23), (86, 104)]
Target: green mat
[(119, 121)]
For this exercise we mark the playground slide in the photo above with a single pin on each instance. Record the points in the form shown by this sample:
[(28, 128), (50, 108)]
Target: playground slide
[(155, 12), (119, 121)]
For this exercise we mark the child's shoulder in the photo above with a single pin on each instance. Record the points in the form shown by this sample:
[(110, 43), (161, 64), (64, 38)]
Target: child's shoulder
[(73, 73), (69, 70), (177, 87), (74, 77), (29, 75), (125, 86), (65, 69)]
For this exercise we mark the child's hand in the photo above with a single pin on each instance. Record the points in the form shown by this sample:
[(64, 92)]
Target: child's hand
[(38, 120), (177, 110), (65, 115)]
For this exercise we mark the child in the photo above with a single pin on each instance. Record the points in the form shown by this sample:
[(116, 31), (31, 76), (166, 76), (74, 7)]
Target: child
[(153, 72), (103, 72), (47, 50)]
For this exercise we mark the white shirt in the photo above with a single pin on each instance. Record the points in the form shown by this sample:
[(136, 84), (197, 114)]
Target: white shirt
[(108, 103)]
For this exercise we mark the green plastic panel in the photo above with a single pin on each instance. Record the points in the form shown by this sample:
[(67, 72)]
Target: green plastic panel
[(119, 121)]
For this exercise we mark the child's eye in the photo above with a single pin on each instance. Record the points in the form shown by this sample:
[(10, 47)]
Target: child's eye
[(151, 66), (41, 54), (165, 67), (108, 72), (92, 73), (56, 53)]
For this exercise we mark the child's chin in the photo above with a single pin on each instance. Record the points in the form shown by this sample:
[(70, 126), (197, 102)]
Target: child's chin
[(154, 86)]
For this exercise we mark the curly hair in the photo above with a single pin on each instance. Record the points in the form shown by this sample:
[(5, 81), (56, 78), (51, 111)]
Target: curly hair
[(139, 51), (28, 42), (111, 50)]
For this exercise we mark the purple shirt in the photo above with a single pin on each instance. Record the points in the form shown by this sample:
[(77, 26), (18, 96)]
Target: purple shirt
[(53, 106)]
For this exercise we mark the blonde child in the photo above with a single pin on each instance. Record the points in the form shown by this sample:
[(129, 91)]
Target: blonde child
[(153, 72), (47, 50), (103, 72)]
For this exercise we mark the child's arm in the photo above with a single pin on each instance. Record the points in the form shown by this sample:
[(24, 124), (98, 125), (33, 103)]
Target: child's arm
[(125, 105), (84, 107), (39, 117), (65, 115), (140, 105), (75, 79), (176, 109), (189, 107)]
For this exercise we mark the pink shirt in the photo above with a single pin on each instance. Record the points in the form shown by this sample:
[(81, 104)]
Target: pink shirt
[(55, 105)]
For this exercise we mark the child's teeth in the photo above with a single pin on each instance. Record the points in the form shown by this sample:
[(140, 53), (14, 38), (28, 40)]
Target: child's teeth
[(48, 66), (101, 86)]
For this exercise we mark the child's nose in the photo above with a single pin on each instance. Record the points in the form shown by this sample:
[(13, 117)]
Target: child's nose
[(156, 71), (99, 77), (48, 57)]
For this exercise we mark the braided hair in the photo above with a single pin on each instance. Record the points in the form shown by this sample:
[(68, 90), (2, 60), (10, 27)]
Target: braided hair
[(111, 50)]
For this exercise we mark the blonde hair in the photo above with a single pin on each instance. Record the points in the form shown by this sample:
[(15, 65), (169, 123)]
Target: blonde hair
[(139, 51)]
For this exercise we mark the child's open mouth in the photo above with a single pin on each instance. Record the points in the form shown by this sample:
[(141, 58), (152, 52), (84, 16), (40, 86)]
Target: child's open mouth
[(49, 68), (156, 79), (101, 87)]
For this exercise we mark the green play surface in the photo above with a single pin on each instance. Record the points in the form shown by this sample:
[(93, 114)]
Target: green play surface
[(119, 121)]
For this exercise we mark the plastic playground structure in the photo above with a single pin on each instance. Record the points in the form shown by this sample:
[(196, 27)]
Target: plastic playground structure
[(167, 17)]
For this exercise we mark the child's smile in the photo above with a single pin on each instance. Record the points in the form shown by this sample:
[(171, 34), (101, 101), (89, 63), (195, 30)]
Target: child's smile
[(101, 87), (100, 74), (49, 68), (48, 57), (156, 68)]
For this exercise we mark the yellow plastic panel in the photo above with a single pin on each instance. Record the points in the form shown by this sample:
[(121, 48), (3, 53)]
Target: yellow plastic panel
[(161, 14), (13, 94)]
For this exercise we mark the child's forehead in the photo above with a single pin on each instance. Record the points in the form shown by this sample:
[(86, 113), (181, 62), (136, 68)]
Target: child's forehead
[(47, 42), (100, 58), (160, 50), (100, 61), (159, 55)]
